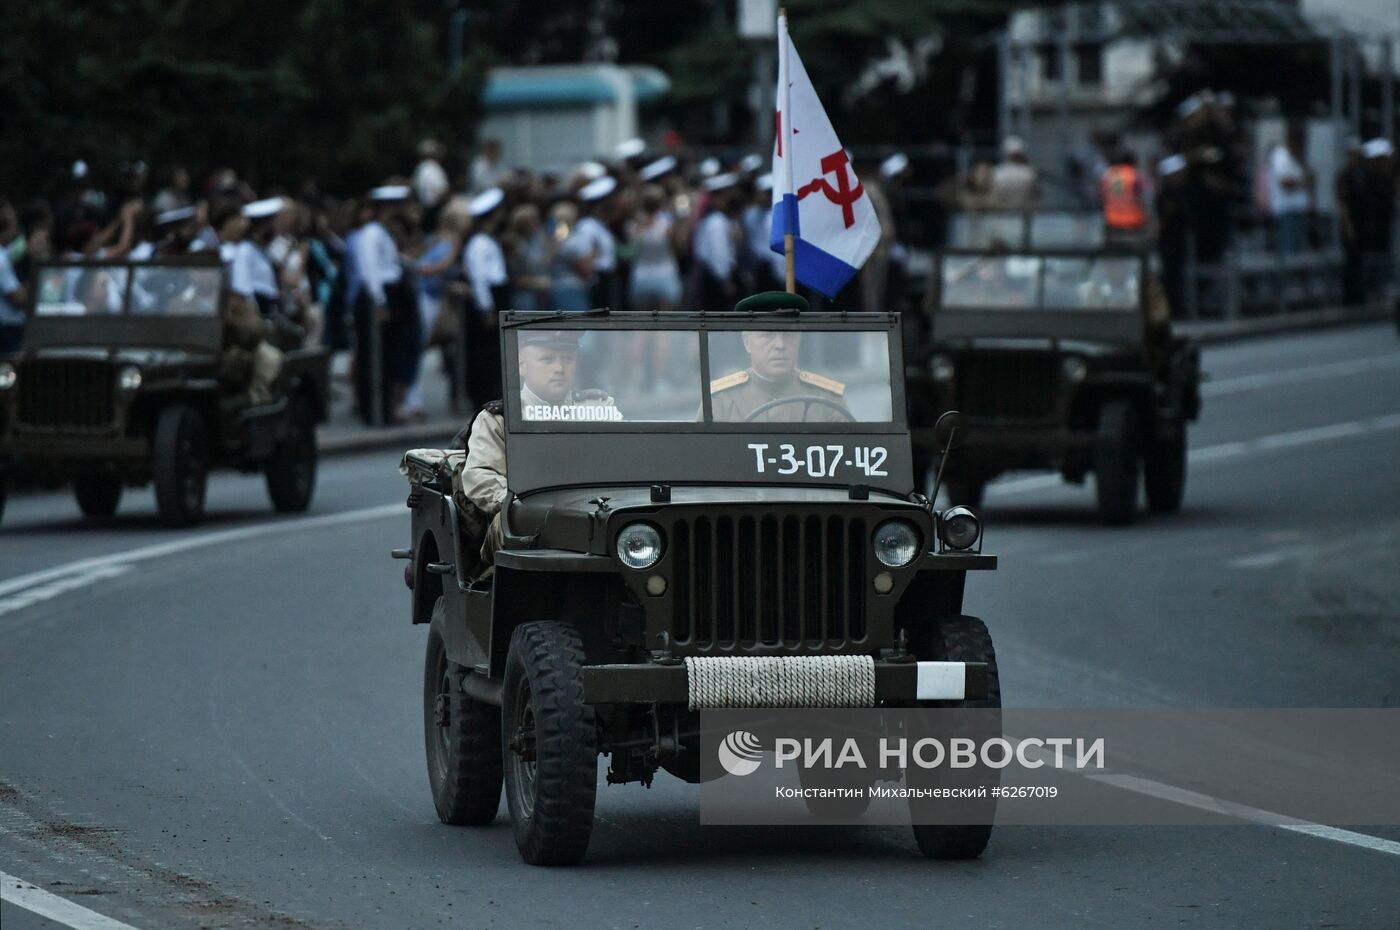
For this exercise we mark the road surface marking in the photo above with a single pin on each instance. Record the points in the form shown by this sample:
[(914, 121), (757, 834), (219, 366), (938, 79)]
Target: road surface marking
[(1229, 450), (1268, 379), (52, 589), (184, 544), (60, 910), (1271, 557), (1205, 802)]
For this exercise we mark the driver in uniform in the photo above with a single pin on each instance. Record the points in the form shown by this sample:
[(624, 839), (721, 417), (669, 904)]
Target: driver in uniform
[(773, 377), (547, 365)]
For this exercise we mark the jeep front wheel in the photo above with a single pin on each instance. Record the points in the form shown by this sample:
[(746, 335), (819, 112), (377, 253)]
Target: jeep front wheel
[(550, 744), (463, 741), (97, 495), (291, 471), (958, 639), (1117, 462), (180, 465)]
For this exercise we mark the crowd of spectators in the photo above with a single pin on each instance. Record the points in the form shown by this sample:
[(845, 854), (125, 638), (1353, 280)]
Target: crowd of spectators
[(427, 260)]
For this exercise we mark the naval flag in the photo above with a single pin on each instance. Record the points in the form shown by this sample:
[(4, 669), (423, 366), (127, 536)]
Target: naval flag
[(817, 198)]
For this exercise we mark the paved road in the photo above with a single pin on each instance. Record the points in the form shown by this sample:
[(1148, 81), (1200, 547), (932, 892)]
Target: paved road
[(225, 731)]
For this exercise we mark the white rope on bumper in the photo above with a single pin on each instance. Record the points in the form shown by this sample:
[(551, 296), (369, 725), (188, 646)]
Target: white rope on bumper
[(780, 681)]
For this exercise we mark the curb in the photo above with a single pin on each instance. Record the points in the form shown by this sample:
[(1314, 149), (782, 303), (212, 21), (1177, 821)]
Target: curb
[(1241, 330), (368, 439)]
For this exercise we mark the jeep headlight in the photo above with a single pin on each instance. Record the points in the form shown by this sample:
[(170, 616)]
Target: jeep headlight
[(941, 367), (129, 378), (8, 376), (639, 545), (959, 528), (896, 543)]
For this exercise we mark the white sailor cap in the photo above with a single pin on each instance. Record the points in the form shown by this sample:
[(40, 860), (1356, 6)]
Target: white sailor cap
[(630, 148), (80, 169), (178, 215), (598, 189), (591, 170), (894, 165), (486, 201), (262, 209), (721, 182), (659, 168), (389, 193), (1377, 148), (1188, 106), (764, 182), (750, 163), (709, 167), (1171, 165)]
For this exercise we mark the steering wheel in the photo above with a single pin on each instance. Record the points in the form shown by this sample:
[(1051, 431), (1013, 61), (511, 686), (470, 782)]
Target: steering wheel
[(808, 399)]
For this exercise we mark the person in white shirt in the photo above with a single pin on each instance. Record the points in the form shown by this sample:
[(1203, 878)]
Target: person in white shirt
[(384, 308), (593, 231), (12, 293), (487, 169), (484, 263), (1290, 193), (716, 246), (251, 272)]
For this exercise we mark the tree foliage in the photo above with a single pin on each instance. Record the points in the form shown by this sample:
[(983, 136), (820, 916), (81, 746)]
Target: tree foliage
[(340, 89)]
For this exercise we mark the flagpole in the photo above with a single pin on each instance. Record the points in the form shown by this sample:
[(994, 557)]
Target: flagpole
[(785, 74)]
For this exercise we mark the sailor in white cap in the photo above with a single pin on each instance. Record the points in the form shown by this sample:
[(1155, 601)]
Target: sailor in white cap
[(656, 170), (252, 273), (484, 263), (629, 149), (716, 244), (175, 230), (595, 235), (894, 166), (383, 302)]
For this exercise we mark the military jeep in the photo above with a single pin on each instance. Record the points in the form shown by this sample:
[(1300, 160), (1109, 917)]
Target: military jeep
[(1061, 360), (128, 376), (657, 551)]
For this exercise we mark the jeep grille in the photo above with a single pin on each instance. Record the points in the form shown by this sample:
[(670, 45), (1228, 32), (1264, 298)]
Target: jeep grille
[(1006, 385), (765, 581), (68, 393)]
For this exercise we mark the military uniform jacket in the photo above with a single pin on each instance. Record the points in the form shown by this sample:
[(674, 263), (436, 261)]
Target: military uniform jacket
[(736, 396), (482, 480)]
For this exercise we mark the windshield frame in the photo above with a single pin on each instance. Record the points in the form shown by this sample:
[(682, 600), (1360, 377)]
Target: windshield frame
[(197, 261), (701, 323)]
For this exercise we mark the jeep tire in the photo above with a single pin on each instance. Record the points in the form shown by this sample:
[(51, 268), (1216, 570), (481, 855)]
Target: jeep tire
[(180, 465), (462, 737), (1164, 471), (98, 495), (961, 639), (1117, 461), (291, 471), (549, 744)]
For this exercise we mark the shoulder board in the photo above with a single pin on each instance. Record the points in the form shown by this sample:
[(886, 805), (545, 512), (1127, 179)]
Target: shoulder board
[(822, 381), (729, 381), (494, 407)]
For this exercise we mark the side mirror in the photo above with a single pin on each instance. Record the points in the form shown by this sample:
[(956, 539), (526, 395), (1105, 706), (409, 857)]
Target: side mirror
[(948, 432)]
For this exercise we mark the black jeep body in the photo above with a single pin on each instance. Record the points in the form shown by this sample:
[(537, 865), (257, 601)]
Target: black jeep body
[(134, 386)]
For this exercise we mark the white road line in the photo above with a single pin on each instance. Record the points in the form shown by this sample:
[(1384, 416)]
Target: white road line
[(53, 589), (1268, 379), (185, 544), (1205, 802), (1229, 450), (60, 910)]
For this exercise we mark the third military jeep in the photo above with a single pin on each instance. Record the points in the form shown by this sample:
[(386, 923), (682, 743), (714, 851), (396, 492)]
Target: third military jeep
[(659, 544), (128, 377), (1061, 360)]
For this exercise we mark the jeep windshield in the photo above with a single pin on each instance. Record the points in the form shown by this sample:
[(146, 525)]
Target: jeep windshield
[(1035, 282), (102, 289), (714, 399), (645, 378)]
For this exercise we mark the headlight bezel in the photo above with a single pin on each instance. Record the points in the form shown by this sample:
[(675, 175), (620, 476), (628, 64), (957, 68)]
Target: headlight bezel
[(9, 376), (913, 542), (958, 516), (634, 530)]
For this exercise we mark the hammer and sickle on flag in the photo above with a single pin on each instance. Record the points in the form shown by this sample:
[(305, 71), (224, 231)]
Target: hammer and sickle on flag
[(835, 233)]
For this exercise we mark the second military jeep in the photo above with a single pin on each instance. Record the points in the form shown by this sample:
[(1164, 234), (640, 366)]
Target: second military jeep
[(662, 540), (128, 376), (1060, 360)]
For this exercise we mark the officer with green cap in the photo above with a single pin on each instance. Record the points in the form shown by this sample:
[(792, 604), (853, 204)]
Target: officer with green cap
[(773, 389)]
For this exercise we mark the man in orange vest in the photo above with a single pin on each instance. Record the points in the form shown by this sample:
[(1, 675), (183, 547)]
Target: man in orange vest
[(1124, 203)]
